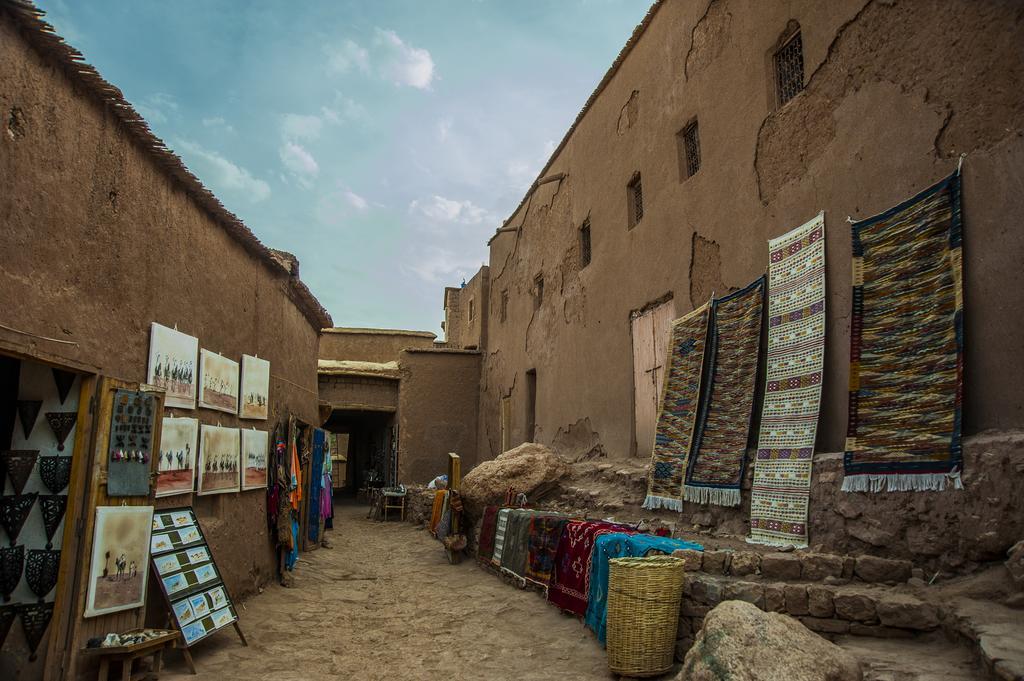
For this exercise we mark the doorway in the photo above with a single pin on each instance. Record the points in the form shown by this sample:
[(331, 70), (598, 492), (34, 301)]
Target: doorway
[(369, 449), (650, 328)]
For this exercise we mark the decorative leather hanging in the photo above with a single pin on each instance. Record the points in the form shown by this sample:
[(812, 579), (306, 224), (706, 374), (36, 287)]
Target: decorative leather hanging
[(64, 381), (53, 507), (14, 509), (18, 464), (55, 472), (7, 614), (12, 560), (41, 570), (61, 423), (28, 412), (35, 617)]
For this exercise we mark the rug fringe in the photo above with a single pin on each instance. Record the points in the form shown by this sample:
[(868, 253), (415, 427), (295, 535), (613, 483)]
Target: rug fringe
[(653, 503), (781, 543), (902, 482), (719, 496)]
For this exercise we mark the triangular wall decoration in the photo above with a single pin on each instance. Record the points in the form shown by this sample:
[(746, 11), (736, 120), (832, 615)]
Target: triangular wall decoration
[(55, 472), (28, 412), (61, 423), (12, 561), (53, 507), (7, 614), (18, 464), (41, 570), (64, 381), (14, 509), (35, 617)]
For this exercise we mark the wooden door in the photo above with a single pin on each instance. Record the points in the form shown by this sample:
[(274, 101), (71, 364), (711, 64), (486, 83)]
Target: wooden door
[(506, 423), (650, 330)]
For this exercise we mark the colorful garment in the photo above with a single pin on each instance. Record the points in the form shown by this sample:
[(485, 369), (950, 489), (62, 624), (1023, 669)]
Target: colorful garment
[(907, 346), (485, 544), (435, 511), (499, 536), (513, 557), (673, 437), (618, 545), (789, 414), (542, 543), (315, 509), (570, 580)]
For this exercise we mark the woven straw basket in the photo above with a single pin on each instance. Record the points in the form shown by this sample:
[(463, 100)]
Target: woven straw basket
[(643, 614)]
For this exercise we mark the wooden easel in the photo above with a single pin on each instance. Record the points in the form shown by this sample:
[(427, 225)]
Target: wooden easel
[(454, 482)]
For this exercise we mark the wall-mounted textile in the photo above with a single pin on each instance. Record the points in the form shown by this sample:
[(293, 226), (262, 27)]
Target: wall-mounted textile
[(789, 415), (906, 346), (715, 470), (673, 436), (570, 580)]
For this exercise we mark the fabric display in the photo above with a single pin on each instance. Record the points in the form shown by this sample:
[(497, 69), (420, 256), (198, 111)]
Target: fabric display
[(499, 536), (569, 588), (674, 433), (517, 531), (485, 544), (715, 470), (544, 535), (906, 346)]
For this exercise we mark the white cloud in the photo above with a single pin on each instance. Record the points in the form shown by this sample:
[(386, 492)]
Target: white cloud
[(439, 209), (343, 109), (157, 107), (523, 171), (222, 174), (300, 163), (444, 128), (404, 64), (346, 56), (354, 200), (218, 122), (437, 265)]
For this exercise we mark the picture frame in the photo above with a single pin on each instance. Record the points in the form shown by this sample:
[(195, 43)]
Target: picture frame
[(173, 365), (119, 567), (218, 382)]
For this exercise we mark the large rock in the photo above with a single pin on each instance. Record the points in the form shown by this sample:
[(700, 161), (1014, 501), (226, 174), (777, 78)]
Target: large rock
[(531, 469), (739, 641), (1015, 562)]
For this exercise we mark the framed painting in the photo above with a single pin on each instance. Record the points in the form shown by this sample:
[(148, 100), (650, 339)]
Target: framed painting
[(172, 365), (254, 399), (255, 448), (218, 387), (176, 469), (218, 459), (120, 559)]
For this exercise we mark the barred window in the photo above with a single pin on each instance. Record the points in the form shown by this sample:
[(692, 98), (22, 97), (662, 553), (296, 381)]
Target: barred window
[(635, 192), (471, 310), (538, 291), (789, 68), (585, 243), (504, 305), (689, 148)]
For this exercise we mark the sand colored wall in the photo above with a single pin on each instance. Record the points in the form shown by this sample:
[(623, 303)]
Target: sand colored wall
[(437, 412), (371, 345), (97, 244), (895, 91), (359, 392)]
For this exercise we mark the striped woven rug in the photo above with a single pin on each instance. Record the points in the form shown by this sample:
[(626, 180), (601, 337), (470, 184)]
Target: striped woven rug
[(715, 470), (906, 346), (789, 415), (680, 395)]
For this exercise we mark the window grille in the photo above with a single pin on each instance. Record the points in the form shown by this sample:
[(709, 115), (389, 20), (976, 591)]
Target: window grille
[(636, 201), (789, 68), (471, 310), (691, 149), (585, 243)]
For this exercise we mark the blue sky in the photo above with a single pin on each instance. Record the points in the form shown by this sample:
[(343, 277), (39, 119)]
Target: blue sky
[(381, 142)]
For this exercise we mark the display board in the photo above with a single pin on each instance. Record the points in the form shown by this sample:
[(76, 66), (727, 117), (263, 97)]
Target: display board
[(198, 601)]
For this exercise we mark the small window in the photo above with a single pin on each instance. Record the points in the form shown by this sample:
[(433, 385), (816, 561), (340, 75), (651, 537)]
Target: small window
[(472, 310), (585, 243), (504, 305), (689, 150), (789, 68), (538, 291), (635, 192)]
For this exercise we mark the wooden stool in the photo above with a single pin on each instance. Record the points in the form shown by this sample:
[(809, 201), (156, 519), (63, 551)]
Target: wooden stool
[(126, 655), (394, 501)]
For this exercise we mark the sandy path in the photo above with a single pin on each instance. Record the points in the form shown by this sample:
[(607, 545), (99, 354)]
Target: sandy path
[(384, 603)]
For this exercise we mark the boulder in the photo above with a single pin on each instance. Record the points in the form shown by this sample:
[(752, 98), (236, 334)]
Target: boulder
[(739, 641), (531, 469), (1015, 562)]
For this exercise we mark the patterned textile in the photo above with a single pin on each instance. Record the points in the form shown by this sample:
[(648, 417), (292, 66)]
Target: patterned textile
[(435, 511), (619, 545), (715, 470), (570, 579), (906, 346), (542, 543), (485, 544), (499, 535), (513, 557), (789, 415), (674, 434)]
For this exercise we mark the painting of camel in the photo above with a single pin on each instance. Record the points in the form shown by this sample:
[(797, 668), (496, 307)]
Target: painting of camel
[(172, 365), (176, 469), (219, 458), (254, 400), (218, 382), (120, 559)]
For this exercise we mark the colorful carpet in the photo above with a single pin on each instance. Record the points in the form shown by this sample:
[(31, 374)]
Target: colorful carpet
[(619, 545), (485, 544), (542, 543), (715, 471), (789, 415), (517, 534), (570, 580), (674, 434), (435, 511), (906, 346), (499, 535)]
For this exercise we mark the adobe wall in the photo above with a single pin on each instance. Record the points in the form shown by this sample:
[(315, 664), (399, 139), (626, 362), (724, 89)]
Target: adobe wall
[(437, 412), (895, 92), (371, 345), (97, 243), (359, 392)]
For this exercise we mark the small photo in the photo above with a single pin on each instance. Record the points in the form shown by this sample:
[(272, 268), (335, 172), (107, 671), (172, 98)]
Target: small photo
[(183, 612), (200, 606), (193, 632)]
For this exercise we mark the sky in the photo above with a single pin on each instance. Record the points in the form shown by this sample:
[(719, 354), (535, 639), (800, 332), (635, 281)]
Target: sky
[(380, 142)]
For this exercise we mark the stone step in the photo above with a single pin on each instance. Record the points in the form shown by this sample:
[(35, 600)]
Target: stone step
[(798, 566)]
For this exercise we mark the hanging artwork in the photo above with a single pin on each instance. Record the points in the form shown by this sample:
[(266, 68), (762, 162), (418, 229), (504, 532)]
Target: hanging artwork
[(35, 618), (18, 465), (61, 423), (120, 556), (218, 460), (176, 467), (53, 507), (41, 571), (172, 365), (254, 399), (14, 509), (28, 412), (255, 445), (131, 443), (7, 615), (12, 562), (219, 382), (55, 472), (64, 380)]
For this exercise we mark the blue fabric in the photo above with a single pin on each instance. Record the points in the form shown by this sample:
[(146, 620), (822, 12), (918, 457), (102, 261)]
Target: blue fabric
[(315, 483), (618, 545), (293, 555)]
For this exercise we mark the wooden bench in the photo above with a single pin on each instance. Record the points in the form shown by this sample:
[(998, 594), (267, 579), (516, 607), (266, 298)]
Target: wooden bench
[(127, 655)]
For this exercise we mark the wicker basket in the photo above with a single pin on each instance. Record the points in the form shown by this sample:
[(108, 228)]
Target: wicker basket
[(643, 614)]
